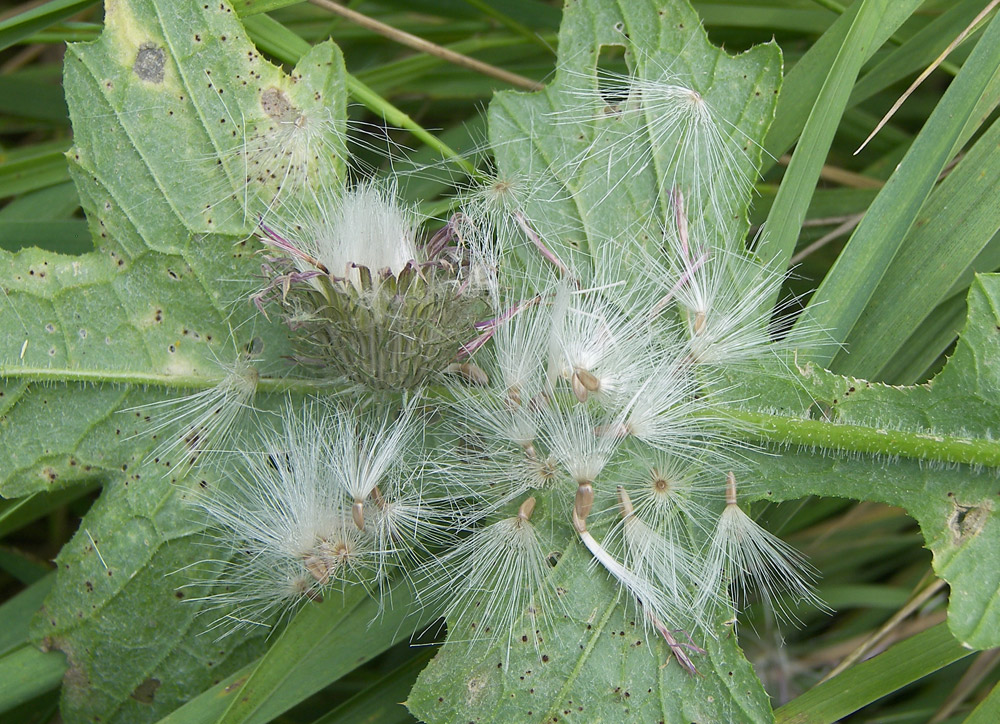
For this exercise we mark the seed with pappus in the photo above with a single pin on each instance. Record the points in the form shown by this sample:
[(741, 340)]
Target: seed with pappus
[(333, 497), (365, 298)]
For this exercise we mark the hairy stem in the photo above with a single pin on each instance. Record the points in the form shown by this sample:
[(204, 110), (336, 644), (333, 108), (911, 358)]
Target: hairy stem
[(762, 427)]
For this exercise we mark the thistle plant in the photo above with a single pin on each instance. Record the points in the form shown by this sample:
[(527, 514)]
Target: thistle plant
[(530, 409), (589, 371), (492, 371)]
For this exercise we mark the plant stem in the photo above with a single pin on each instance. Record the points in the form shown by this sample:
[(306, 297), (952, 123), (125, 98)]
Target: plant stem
[(763, 427), (755, 426), (425, 46)]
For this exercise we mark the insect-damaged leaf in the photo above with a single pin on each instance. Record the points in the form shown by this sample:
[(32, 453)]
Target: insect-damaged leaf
[(171, 108)]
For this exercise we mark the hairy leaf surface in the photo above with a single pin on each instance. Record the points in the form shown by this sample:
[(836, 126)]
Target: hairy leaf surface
[(163, 105)]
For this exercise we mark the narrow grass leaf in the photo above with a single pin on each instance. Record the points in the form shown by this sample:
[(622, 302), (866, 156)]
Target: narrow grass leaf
[(845, 292), (16, 613), (988, 710), (321, 644), (795, 192), (382, 701), (27, 672), (871, 680), (918, 51), (23, 25), (964, 209), (803, 82)]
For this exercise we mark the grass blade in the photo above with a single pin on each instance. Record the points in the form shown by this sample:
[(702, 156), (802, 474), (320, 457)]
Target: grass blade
[(988, 710), (321, 644), (803, 82), (869, 681), (795, 192), (27, 672), (962, 209), (845, 292), (28, 23)]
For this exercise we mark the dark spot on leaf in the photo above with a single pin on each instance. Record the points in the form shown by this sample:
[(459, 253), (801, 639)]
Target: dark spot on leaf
[(149, 63), (145, 692), (966, 521), (276, 105)]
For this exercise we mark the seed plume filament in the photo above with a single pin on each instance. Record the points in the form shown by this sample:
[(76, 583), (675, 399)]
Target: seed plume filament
[(626, 578), (537, 241)]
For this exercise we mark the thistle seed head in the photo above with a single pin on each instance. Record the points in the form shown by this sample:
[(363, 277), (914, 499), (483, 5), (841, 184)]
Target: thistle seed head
[(365, 300)]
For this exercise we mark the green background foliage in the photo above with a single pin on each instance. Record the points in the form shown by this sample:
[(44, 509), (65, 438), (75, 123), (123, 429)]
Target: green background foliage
[(86, 340)]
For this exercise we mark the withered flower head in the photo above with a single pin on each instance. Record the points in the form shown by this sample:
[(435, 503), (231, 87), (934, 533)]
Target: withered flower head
[(365, 298)]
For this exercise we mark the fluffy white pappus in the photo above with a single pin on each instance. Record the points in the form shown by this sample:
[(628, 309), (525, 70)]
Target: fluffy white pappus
[(652, 117), (406, 521), (484, 256), (490, 417), (281, 499), (367, 449), (670, 413), (503, 209), (596, 346), (725, 298), (496, 456), (283, 523), (206, 421), (671, 493), (748, 560), (665, 562), (581, 442), (367, 226), (248, 597), (516, 361), (492, 205), (494, 582), (342, 229), (480, 477), (641, 591), (289, 155)]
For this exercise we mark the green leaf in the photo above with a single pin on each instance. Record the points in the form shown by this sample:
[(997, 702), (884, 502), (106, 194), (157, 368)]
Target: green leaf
[(32, 168), (160, 111), (160, 106), (598, 663), (902, 664), (845, 455), (845, 292), (916, 435), (919, 51)]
